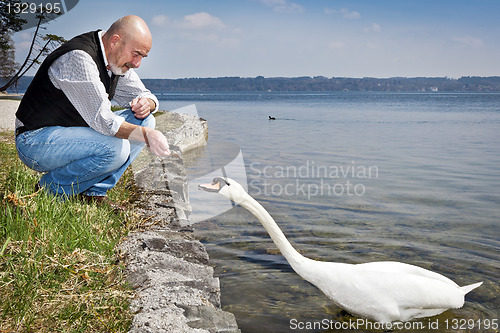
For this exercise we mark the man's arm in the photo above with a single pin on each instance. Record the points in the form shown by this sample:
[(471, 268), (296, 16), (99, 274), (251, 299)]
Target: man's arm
[(130, 88), (84, 89), (155, 140)]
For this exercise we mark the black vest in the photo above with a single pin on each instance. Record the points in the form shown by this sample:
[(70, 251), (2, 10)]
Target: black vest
[(45, 105)]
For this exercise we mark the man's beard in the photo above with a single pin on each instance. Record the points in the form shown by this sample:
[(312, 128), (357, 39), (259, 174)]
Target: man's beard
[(120, 70)]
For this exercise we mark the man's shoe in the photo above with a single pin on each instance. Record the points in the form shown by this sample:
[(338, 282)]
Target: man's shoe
[(101, 200)]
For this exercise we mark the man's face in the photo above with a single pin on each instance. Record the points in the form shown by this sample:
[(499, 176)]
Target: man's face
[(128, 54)]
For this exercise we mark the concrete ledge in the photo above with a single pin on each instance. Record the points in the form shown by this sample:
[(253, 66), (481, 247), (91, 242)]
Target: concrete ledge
[(169, 269), (176, 290)]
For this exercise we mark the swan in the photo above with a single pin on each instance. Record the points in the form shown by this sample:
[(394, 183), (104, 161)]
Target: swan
[(385, 291), (272, 118)]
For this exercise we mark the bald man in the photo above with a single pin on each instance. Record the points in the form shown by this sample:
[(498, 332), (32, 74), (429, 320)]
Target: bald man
[(65, 126)]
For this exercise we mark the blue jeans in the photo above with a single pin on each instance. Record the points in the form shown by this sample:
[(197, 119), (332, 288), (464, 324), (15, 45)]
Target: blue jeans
[(79, 159)]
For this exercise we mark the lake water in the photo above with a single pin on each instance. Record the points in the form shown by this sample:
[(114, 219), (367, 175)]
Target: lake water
[(354, 177)]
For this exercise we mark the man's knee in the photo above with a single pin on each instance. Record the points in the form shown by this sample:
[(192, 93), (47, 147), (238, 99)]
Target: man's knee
[(119, 152), (149, 121)]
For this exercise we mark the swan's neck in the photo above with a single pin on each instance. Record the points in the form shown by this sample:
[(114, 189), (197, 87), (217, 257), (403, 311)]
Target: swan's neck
[(291, 255)]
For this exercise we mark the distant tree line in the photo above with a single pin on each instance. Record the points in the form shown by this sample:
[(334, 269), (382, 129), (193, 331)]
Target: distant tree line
[(318, 83), (321, 83)]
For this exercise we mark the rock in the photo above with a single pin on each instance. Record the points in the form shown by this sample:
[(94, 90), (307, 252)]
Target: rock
[(184, 131), (168, 267), (203, 317), (176, 290), (189, 250)]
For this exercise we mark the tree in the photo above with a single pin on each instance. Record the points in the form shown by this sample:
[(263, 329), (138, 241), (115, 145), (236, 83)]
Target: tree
[(41, 45), (8, 65), (8, 20), (9, 23)]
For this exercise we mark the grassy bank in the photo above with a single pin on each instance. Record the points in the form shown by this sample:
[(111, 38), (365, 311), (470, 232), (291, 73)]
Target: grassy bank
[(59, 270)]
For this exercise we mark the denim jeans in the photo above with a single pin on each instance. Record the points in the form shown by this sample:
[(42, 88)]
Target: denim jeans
[(79, 159)]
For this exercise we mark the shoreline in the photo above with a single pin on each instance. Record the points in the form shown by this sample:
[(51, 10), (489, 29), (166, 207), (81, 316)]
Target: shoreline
[(166, 264)]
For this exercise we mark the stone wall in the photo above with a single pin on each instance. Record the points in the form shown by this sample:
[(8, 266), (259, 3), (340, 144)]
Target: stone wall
[(183, 131), (166, 265)]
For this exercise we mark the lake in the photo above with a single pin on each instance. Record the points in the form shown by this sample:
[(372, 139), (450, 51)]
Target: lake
[(351, 177)]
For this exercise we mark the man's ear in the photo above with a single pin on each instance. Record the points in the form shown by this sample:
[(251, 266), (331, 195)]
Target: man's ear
[(114, 40)]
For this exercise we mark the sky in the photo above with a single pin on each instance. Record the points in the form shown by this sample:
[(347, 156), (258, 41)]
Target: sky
[(290, 38)]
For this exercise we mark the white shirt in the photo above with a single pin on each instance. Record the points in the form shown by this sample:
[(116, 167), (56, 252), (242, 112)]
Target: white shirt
[(77, 75)]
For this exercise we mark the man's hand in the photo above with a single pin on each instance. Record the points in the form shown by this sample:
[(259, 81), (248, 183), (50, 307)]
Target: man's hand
[(154, 139), (156, 142), (142, 107)]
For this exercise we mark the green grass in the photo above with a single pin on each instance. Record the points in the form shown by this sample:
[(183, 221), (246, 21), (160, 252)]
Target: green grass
[(59, 268)]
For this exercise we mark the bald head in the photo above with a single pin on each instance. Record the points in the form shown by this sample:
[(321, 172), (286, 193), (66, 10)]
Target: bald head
[(128, 28), (126, 42)]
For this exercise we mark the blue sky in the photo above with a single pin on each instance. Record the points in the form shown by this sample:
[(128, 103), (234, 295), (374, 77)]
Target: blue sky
[(341, 38)]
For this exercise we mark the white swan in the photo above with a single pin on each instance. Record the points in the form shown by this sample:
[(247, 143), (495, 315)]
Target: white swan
[(382, 291)]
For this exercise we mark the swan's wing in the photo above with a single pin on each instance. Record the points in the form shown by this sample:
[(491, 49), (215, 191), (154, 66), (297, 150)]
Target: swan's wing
[(413, 289), (387, 291), (402, 268)]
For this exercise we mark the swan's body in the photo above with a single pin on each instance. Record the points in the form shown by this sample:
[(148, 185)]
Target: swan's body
[(382, 291)]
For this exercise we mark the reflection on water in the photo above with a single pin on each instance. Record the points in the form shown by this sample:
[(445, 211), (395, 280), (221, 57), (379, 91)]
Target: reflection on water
[(434, 201)]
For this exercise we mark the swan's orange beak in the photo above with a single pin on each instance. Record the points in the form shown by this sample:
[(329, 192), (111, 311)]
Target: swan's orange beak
[(212, 187)]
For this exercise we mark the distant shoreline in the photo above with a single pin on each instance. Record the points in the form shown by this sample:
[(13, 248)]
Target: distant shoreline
[(323, 84), (317, 84)]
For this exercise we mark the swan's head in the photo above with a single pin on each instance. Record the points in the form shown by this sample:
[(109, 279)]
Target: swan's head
[(227, 187)]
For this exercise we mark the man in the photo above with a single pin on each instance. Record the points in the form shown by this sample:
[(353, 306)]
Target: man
[(65, 126)]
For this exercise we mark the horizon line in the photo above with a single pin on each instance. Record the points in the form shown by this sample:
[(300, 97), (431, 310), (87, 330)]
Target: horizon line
[(322, 76)]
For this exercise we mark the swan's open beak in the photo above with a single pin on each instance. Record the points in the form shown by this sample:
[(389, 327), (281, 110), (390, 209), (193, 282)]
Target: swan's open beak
[(212, 187), (215, 186)]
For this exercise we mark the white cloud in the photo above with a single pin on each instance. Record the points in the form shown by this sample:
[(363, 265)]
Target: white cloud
[(201, 27), (160, 20), (24, 43), (346, 13), (196, 21), (469, 41), (26, 35), (352, 15), (375, 27), (23, 46), (211, 38), (199, 21), (283, 6)]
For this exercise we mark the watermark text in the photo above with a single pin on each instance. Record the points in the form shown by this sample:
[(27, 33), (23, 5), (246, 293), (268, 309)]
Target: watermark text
[(310, 179)]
